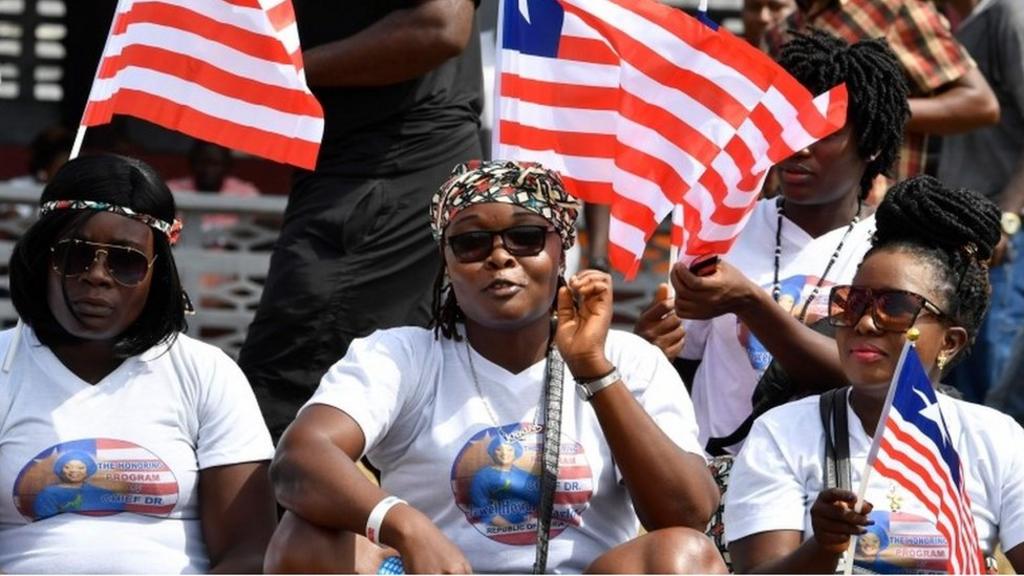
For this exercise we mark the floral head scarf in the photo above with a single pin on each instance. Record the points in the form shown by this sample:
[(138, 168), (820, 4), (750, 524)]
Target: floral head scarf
[(525, 184)]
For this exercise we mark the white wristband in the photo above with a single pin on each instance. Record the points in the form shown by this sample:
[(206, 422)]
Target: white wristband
[(376, 517)]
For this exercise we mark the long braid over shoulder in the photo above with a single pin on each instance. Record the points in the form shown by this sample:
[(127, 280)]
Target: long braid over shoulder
[(955, 230), (876, 84)]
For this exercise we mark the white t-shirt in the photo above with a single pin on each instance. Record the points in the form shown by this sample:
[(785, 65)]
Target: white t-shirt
[(779, 472), (438, 447), (140, 437), (732, 359)]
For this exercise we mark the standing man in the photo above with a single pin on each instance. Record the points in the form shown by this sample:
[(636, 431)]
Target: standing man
[(947, 93), (400, 84), (991, 161)]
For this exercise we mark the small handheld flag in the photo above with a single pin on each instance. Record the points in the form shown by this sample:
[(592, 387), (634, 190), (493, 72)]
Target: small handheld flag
[(912, 447)]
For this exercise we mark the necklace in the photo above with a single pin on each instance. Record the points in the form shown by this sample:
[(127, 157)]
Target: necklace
[(483, 399), (777, 286), (551, 397)]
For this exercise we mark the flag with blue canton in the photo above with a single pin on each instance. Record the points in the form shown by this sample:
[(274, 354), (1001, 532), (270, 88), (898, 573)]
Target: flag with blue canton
[(915, 450), (644, 108)]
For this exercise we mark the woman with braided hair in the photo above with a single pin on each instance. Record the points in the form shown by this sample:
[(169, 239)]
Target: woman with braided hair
[(808, 238), (489, 461), (927, 270)]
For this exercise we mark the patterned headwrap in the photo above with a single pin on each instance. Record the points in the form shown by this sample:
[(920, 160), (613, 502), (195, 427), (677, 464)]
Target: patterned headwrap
[(525, 184), (171, 229)]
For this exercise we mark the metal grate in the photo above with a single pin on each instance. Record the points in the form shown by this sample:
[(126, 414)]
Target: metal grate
[(32, 49)]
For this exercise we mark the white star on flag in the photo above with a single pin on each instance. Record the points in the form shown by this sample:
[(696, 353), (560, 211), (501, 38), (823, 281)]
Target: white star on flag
[(931, 412), (524, 9)]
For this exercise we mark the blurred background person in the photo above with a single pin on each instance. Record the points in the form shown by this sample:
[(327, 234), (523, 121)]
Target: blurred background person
[(990, 160), (759, 15), (948, 95), (210, 172)]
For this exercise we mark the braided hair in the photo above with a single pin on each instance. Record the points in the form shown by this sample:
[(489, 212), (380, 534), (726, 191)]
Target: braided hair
[(876, 84), (444, 309), (954, 231)]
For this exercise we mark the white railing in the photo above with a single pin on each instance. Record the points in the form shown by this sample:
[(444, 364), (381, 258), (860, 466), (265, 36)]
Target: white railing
[(223, 268)]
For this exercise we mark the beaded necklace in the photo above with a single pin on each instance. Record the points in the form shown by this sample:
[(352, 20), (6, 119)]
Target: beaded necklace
[(777, 287)]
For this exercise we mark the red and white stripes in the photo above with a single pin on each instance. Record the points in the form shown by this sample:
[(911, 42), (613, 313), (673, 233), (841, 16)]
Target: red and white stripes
[(226, 71), (647, 109), (910, 458)]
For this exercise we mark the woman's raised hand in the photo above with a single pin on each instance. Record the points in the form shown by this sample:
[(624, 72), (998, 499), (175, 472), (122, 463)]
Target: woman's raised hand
[(584, 316)]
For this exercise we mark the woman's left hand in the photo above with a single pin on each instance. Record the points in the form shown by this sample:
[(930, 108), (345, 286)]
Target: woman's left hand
[(583, 323)]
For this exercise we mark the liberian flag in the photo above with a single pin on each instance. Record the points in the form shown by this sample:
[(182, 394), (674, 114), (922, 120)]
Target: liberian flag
[(644, 108), (225, 71), (915, 451)]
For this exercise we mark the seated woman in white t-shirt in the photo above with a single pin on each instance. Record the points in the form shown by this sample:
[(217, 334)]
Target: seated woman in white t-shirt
[(927, 270), (795, 246), (458, 419), (126, 445)]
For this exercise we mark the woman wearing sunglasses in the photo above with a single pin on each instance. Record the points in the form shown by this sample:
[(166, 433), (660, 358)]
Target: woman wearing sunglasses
[(926, 270), (506, 438), (171, 462)]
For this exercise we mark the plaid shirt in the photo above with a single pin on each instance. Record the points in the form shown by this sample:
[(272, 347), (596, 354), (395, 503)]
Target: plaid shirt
[(916, 32)]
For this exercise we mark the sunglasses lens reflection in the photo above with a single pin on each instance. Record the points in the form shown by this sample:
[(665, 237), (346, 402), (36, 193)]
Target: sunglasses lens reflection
[(126, 265)]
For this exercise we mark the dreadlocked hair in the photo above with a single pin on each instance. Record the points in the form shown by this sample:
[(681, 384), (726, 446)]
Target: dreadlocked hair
[(444, 309), (955, 231), (875, 82)]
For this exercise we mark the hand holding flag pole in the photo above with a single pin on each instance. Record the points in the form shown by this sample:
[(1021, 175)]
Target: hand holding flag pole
[(913, 449), (912, 335), (644, 108)]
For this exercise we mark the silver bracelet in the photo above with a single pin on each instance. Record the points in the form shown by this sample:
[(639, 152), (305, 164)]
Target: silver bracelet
[(587, 388)]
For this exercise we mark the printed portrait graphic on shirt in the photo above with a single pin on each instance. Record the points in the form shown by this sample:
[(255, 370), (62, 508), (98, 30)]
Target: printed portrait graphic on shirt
[(793, 293), (496, 483), (97, 477), (900, 543)]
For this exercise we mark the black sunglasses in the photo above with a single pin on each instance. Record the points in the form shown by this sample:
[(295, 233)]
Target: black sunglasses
[(891, 310), (518, 241), (73, 257)]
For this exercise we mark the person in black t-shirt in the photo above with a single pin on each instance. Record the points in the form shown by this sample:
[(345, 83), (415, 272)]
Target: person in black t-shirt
[(400, 84)]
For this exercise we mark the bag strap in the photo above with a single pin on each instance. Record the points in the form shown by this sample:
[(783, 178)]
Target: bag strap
[(716, 446), (550, 451), (832, 406)]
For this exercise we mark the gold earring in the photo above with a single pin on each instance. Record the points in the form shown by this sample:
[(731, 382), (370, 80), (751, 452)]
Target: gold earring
[(913, 334), (941, 361)]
